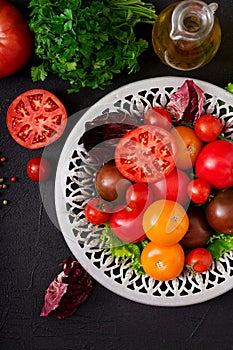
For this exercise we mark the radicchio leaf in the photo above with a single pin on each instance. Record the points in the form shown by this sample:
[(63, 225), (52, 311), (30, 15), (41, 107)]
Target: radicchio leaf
[(187, 102), (107, 128), (68, 290)]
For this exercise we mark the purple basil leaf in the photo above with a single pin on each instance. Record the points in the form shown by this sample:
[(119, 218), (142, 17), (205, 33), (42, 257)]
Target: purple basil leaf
[(68, 290), (187, 102)]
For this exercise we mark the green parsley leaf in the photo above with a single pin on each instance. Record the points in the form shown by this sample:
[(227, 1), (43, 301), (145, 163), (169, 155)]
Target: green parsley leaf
[(87, 44), (38, 73)]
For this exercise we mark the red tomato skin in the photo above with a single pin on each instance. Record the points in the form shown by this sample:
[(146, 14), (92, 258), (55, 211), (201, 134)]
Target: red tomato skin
[(97, 211), (208, 128), (38, 169), (127, 225), (16, 40), (138, 196), (199, 260), (173, 187), (215, 164), (199, 191), (158, 116)]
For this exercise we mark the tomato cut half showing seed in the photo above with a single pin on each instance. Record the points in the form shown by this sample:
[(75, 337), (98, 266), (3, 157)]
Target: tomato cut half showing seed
[(146, 154), (36, 118)]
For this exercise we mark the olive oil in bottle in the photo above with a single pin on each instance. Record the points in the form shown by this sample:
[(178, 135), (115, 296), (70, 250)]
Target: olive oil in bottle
[(187, 34)]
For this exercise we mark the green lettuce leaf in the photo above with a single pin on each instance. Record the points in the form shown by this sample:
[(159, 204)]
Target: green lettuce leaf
[(229, 87), (219, 243), (121, 249)]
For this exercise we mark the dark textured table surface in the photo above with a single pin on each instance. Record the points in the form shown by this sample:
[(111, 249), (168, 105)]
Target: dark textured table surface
[(32, 247)]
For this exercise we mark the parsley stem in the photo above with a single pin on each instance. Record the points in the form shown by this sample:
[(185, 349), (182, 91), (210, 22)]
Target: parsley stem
[(137, 7)]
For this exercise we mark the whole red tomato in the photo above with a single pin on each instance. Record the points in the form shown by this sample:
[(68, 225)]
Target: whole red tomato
[(158, 116), (198, 260), (173, 187), (208, 128), (38, 169), (97, 211), (127, 225), (215, 164), (138, 196), (16, 40), (199, 190)]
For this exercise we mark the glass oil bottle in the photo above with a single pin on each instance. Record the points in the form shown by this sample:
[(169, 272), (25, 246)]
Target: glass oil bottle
[(187, 34)]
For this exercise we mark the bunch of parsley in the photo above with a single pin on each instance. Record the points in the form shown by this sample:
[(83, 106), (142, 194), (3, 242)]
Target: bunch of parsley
[(87, 42)]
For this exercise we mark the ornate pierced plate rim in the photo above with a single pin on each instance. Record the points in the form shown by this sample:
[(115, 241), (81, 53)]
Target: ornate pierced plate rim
[(60, 197)]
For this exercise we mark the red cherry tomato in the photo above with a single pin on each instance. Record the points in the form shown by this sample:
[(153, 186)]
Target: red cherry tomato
[(158, 116), (215, 164), (127, 225), (173, 187), (97, 211), (36, 118), (38, 169), (199, 191), (16, 40), (199, 260), (146, 154), (208, 128), (138, 196)]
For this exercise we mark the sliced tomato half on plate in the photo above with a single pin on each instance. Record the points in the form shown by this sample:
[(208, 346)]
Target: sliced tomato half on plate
[(36, 118), (146, 154)]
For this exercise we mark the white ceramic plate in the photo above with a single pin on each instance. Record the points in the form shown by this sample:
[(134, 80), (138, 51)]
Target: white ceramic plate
[(74, 186)]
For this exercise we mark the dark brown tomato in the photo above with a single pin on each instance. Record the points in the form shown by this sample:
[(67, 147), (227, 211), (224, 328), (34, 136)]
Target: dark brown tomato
[(199, 230), (219, 212), (110, 183)]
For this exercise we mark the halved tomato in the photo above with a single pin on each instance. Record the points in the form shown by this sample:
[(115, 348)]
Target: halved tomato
[(36, 118), (146, 154)]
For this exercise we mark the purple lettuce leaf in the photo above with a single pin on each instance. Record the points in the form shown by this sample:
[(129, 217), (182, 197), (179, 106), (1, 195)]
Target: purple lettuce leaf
[(187, 102), (68, 290)]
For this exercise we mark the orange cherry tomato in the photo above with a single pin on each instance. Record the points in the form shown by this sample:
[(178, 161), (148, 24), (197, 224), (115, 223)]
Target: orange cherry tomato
[(163, 263), (165, 222), (188, 145)]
